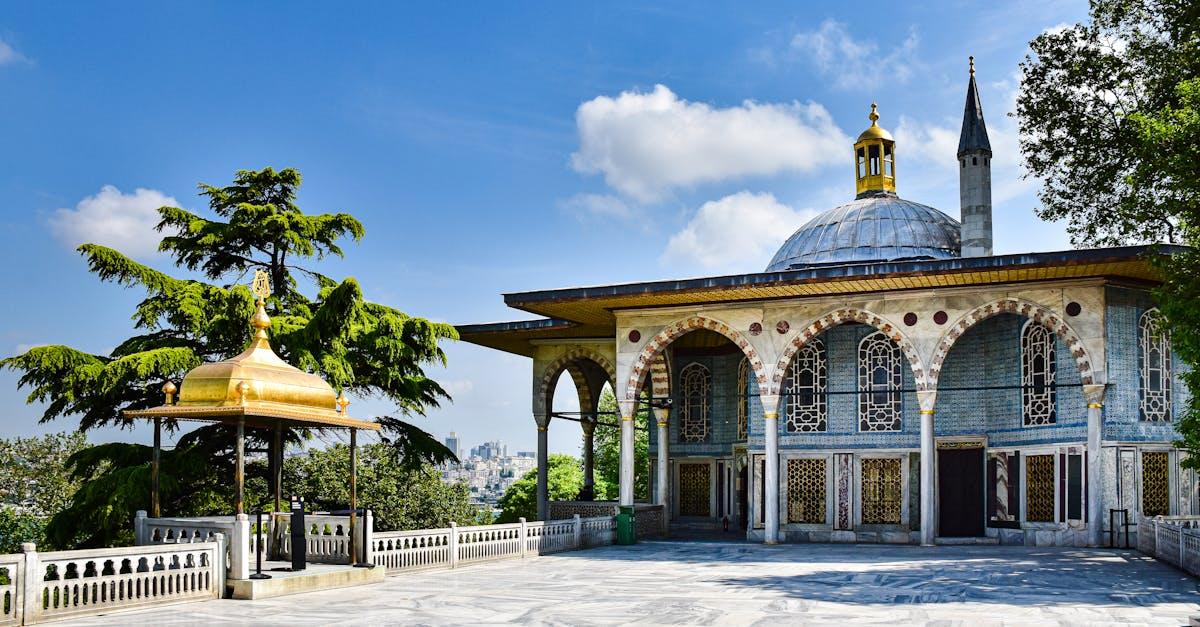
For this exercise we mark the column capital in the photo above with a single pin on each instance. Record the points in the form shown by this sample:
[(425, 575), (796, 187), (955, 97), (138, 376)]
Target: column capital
[(626, 407), (588, 424), (770, 403), (1094, 395), (542, 420), (771, 415), (927, 399), (662, 414)]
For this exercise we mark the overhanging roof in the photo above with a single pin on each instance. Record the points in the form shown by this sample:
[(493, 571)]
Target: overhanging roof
[(588, 311)]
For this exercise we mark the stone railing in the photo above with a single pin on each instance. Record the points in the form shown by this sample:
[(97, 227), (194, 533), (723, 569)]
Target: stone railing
[(327, 537), (648, 518), (42, 587), (452, 546), (1172, 539), (240, 543)]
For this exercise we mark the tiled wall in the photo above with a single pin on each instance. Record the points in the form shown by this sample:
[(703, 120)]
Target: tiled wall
[(1122, 418)]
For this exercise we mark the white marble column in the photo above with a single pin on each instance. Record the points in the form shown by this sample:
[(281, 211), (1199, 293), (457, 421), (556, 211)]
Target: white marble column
[(1095, 432), (543, 465), (663, 416), (627, 468), (771, 475), (927, 400)]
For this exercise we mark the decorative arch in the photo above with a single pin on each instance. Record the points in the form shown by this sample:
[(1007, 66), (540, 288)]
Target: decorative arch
[(569, 361), (843, 316), (1032, 311), (655, 347)]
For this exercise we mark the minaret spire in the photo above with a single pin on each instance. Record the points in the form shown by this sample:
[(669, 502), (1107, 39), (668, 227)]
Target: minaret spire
[(975, 175)]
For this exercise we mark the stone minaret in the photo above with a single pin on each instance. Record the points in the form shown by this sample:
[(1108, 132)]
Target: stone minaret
[(975, 177)]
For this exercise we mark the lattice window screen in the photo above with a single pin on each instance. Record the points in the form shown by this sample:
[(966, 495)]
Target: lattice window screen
[(882, 495), (695, 384), (880, 379), (806, 491), (743, 391), (1039, 488), (1038, 395), (694, 487), (1154, 367), (804, 389), (1156, 487)]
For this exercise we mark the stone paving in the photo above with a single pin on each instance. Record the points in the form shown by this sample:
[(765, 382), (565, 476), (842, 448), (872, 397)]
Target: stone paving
[(724, 583)]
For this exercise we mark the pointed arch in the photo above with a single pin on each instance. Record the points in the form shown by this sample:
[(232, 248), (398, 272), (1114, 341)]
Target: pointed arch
[(1032, 311), (843, 316), (659, 343), (573, 361)]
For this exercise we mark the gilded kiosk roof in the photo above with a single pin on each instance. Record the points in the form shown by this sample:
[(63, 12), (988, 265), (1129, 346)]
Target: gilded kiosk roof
[(878, 227)]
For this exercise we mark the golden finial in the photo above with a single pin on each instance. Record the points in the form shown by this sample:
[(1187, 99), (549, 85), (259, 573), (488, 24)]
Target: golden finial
[(169, 389), (971, 60), (343, 403), (261, 321), (874, 114), (243, 389)]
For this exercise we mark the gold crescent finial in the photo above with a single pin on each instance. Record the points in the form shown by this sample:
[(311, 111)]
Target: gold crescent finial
[(342, 403), (261, 322), (261, 285), (874, 114), (971, 60)]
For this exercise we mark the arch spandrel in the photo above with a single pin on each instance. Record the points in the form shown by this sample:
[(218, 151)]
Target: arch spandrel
[(575, 361), (645, 360), (838, 317)]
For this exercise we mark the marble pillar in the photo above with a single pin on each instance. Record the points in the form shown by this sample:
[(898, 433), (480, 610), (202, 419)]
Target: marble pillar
[(589, 456), (1094, 394), (627, 466), (664, 462), (543, 465), (927, 400), (771, 474)]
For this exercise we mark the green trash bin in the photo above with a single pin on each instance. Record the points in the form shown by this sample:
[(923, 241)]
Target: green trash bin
[(626, 534)]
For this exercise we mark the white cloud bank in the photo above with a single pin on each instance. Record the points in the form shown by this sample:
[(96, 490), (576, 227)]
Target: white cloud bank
[(122, 221), (737, 233), (9, 55), (648, 144), (852, 63)]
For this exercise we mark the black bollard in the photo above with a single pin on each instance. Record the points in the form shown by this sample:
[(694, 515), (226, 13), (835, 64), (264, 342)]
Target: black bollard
[(258, 550)]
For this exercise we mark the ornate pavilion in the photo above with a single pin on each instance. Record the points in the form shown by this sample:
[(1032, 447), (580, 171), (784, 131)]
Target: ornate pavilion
[(885, 379)]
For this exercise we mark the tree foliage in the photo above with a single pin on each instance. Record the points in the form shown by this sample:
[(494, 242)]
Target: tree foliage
[(35, 486), (607, 444), (563, 482), (1110, 118)]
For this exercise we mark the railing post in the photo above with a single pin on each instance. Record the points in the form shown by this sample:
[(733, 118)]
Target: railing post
[(31, 585), (577, 531), (1181, 549), (524, 536), (1157, 553), (453, 544), (220, 564), (139, 528), (368, 532), (239, 548)]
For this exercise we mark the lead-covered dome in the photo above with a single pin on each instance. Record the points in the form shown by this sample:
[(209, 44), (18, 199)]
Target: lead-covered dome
[(876, 227)]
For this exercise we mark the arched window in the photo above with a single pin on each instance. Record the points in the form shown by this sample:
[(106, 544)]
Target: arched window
[(880, 378), (1038, 395), (695, 386), (804, 389), (1154, 367), (743, 394)]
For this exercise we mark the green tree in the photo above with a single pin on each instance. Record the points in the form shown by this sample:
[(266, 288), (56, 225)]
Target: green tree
[(563, 482), (399, 497), (607, 443), (36, 485), (1109, 112), (365, 348)]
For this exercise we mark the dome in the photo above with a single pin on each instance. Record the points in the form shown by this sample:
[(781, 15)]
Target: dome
[(270, 381), (876, 227)]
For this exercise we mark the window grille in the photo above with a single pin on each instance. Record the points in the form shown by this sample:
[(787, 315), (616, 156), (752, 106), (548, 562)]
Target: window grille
[(696, 388), (806, 491), (880, 379), (804, 390), (882, 495), (1155, 367), (1155, 484), (1039, 488), (743, 414), (694, 486), (1037, 375)]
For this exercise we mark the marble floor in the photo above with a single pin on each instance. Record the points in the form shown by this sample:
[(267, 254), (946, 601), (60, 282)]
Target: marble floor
[(733, 584)]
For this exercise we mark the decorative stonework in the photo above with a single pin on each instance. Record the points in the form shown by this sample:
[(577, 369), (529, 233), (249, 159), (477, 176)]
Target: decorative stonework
[(567, 362), (940, 318), (910, 319), (660, 342), (842, 316), (755, 328), (635, 336), (1034, 312), (782, 327)]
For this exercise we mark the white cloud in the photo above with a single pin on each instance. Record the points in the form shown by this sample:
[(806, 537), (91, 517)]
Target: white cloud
[(458, 387), (851, 63), (9, 55), (122, 221), (737, 233), (648, 144), (597, 206)]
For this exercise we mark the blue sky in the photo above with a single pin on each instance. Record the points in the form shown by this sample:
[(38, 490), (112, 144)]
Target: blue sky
[(486, 147)]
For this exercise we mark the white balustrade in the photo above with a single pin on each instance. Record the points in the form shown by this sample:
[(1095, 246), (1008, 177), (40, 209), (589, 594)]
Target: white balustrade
[(42, 587), (1172, 539), (452, 546), (327, 537)]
